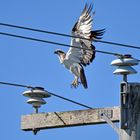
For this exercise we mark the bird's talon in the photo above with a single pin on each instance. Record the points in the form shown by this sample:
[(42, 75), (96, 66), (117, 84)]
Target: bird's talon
[(72, 86), (75, 84), (79, 83)]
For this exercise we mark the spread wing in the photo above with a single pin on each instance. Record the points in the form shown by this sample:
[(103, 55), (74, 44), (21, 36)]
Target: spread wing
[(83, 29)]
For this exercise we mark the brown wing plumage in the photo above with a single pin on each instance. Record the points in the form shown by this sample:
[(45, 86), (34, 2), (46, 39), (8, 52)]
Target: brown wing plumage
[(83, 29)]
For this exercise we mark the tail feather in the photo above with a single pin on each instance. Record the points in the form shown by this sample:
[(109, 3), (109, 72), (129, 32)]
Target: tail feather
[(83, 78)]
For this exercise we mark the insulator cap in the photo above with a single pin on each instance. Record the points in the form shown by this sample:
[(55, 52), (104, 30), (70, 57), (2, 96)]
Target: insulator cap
[(124, 70), (126, 61), (36, 102), (37, 92)]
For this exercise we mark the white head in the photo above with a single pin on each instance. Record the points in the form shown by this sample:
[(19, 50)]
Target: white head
[(61, 55)]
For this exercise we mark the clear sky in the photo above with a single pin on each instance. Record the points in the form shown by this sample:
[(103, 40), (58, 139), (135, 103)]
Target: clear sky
[(33, 63)]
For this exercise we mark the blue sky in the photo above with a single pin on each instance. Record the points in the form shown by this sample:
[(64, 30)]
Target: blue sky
[(33, 63)]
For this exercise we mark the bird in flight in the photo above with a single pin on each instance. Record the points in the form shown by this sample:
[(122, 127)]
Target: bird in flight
[(84, 52)]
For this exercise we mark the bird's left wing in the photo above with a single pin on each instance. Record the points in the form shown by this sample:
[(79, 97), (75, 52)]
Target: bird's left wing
[(83, 29), (83, 26)]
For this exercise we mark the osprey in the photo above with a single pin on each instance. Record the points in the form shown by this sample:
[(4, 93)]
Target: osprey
[(76, 58)]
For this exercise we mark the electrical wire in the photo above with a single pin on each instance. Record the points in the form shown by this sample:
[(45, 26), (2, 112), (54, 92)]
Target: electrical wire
[(66, 35), (53, 94), (17, 85), (118, 44), (69, 100), (56, 43), (60, 44)]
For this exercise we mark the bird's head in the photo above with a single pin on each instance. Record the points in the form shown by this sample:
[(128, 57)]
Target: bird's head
[(61, 55), (59, 52)]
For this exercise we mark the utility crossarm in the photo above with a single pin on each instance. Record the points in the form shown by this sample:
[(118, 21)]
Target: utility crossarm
[(39, 121)]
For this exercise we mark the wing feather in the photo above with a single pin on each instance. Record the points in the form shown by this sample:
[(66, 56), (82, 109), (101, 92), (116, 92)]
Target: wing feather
[(83, 29)]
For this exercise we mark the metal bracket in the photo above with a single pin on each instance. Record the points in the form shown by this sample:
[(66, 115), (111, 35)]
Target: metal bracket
[(107, 112), (125, 106), (35, 131), (107, 119)]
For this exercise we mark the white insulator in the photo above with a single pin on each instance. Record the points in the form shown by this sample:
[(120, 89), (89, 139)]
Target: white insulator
[(37, 92), (125, 62), (36, 102), (124, 70), (36, 96)]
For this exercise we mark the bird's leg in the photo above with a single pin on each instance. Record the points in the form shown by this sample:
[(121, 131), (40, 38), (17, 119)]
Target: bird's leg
[(75, 82)]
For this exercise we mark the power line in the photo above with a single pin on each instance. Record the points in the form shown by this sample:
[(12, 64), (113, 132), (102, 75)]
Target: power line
[(118, 44), (53, 94), (69, 100), (66, 35), (17, 85), (56, 43)]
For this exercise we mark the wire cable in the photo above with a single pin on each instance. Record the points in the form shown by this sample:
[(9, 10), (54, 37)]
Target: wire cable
[(66, 35), (56, 43), (118, 44), (53, 94), (17, 85), (69, 100)]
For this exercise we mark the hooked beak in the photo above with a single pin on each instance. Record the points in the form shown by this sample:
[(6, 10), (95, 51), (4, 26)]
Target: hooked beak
[(55, 52)]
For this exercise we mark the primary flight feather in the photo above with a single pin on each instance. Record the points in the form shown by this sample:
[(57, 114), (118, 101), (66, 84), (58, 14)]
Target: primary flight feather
[(76, 58)]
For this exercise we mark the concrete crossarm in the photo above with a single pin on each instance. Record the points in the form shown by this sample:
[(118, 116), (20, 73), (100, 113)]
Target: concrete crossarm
[(67, 119)]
